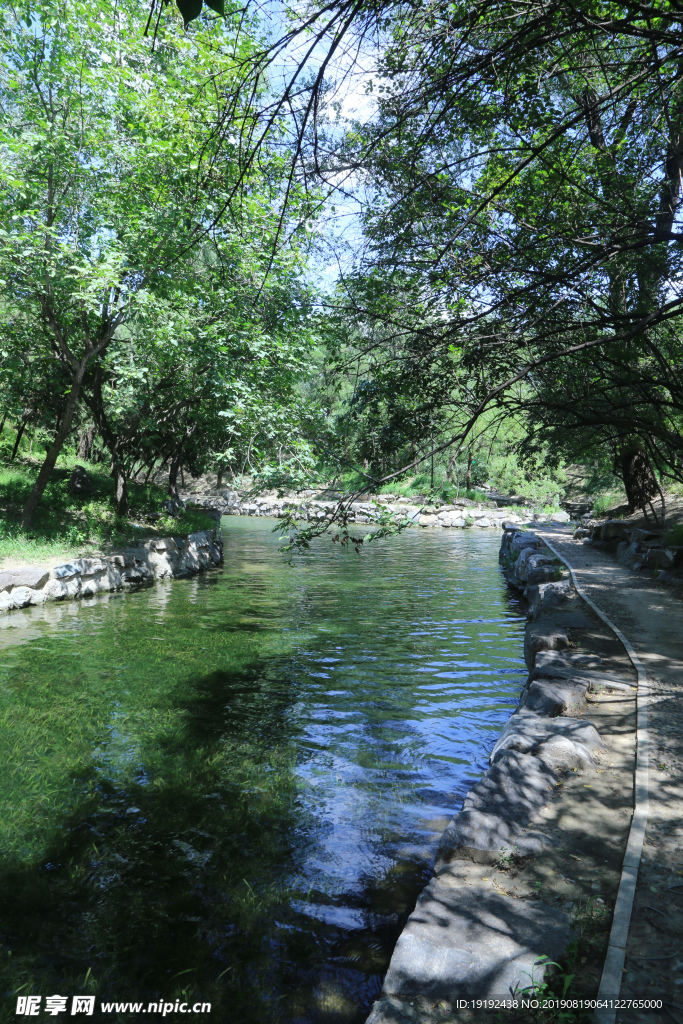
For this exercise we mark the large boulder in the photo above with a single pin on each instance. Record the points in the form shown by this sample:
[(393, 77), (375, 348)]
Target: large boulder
[(544, 597), (542, 574), (542, 636), (660, 558), (531, 559), (497, 810), (560, 517), (523, 540), (616, 529), (79, 481), (630, 555), (33, 578), (466, 942), (554, 697), (558, 665), (537, 737)]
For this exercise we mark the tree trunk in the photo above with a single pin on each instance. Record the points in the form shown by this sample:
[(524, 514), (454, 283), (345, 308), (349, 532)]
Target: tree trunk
[(55, 448), (469, 471), (219, 479), (20, 434), (2, 424), (85, 443), (149, 471), (113, 442), (173, 477), (119, 475), (640, 483)]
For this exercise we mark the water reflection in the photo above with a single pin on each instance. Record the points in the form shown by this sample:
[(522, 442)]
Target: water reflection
[(231, 788)]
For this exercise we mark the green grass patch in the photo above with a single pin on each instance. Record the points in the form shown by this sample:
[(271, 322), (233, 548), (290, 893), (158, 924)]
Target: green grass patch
[(67, 525), (674, 537)]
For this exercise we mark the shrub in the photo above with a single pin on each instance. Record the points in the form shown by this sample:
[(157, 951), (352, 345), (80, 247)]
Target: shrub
[(674, 537)]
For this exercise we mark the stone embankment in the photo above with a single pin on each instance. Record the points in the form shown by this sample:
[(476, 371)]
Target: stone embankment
[(160, 558), (636, 548), (458, 515), (504, 888)]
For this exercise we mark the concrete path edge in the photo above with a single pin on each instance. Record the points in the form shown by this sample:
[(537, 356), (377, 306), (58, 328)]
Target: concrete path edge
[(610, 983)]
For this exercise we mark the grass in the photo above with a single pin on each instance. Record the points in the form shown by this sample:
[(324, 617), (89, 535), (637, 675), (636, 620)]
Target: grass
[(67, 525), (674, 537), (575, 977), (416, 486)]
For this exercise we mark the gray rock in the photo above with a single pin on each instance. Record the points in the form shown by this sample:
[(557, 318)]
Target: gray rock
[(629, 554), (576, 668), (560, 517), (545, 596), (659, 558), (159, 544), (55, 590), (464, 942), (543, 574), (23, 578), (529, 733), (547, 697), (530, 559), (498, 809), (522, 540), (136, 574), (558, 665), (614, 529), (483, 523), (640, 536), (66, 571), (564, 753), (79, 481), (21, 596), (542, 636)]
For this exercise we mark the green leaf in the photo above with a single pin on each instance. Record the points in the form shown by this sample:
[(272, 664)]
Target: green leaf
[(216, 5), (190, 9)]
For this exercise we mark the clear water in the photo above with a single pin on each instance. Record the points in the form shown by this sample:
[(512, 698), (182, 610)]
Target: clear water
[(231, 788)]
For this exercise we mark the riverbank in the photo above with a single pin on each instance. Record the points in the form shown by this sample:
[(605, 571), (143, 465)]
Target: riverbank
[(153, 559), (455, 515), (531, 865), (651, 616), (77, 516), (647, 547)]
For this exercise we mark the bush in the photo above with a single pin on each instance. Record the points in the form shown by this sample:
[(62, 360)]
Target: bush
[(674, 537)]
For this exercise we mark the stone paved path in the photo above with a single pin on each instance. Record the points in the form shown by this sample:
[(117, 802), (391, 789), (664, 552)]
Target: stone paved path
[(651, 617)]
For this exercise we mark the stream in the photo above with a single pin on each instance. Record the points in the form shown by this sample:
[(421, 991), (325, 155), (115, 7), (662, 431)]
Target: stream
[(231, 788)]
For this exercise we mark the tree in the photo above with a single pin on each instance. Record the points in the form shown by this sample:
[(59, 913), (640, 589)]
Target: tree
[(102, 201), (521, 169), (215, 367)]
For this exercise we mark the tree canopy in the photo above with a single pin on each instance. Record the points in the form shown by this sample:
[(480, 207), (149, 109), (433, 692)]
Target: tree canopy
[(515, 175), (140, 282)]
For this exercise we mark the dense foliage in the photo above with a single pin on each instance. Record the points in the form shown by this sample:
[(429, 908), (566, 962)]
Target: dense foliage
[(512, 291), (519, 174), (143, 292)]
